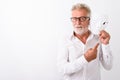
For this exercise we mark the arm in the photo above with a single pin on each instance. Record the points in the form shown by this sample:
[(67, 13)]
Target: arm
[(66, 67), (106, 57)]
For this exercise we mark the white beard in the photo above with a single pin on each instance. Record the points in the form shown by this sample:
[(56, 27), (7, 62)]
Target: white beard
[(80, 30)]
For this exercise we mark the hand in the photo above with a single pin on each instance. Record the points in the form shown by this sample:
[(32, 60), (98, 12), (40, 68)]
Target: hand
[(104, 37), (91, 54)]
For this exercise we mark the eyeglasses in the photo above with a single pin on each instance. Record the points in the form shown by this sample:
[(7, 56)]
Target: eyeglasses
[(82, 19)]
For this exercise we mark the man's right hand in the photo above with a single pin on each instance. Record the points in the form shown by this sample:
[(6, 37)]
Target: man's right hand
[(91, 54)]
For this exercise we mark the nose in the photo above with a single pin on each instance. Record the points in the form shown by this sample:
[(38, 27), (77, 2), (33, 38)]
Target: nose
[(78, 21)]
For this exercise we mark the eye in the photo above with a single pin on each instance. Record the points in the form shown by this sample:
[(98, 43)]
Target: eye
[(83, 18), (74, 18)]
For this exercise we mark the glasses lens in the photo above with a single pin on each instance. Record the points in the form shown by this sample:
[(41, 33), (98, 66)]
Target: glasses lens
[(82, 19), (74, 19)]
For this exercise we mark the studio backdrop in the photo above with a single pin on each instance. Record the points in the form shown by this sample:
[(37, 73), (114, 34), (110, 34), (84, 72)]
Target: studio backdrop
[(30, 31)]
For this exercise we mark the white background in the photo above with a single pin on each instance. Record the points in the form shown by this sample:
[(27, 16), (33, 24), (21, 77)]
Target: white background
[(29, 33)]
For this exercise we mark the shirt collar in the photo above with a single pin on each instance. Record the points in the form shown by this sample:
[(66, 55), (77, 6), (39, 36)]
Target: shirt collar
[(73, 37)]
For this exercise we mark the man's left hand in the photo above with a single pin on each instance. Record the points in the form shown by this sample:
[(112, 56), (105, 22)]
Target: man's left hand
[(104, 37)]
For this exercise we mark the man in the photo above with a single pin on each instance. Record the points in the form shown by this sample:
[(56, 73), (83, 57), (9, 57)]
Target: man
[(82, 52)]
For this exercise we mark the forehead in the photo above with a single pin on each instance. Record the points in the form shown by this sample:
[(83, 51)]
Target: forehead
[(79, 13)]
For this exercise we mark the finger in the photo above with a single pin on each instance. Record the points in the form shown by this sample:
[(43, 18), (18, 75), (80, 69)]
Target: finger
[(102, 31), (96, 46), (90, 49), (104, 36)]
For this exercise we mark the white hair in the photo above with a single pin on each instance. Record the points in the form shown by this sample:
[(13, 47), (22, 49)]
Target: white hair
[(80, 6)]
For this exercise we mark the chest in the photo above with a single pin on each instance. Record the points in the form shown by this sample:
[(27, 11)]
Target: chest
[(77, 49)]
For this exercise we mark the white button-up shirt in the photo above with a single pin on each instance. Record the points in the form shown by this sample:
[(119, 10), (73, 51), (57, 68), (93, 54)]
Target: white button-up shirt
[(72, 63)]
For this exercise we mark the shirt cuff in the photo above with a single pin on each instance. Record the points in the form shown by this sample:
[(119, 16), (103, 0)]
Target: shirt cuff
[(82, 60), (106, 49)]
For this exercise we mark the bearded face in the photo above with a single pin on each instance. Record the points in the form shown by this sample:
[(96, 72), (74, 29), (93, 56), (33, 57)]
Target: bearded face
[(80, 29), (80, 20)]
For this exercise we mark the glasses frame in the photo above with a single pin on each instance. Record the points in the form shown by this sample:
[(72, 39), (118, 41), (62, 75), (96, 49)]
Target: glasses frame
[(81, 19)]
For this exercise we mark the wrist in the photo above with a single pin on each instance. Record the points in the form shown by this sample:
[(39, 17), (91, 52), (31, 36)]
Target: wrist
[(87, 58)]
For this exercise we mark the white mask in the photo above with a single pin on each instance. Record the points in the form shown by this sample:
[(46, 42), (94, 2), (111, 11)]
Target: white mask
[(80, 30)]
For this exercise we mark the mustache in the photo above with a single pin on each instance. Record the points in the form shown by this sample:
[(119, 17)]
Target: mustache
[(78, 26)]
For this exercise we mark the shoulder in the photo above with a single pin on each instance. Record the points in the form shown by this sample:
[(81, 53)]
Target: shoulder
[(66, 40), (96, 36)]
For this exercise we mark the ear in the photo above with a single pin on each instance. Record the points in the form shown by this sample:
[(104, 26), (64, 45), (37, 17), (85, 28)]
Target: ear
[(88, 22)]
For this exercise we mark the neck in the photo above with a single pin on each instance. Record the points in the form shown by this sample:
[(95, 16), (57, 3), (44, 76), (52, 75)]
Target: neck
[(83, 37)]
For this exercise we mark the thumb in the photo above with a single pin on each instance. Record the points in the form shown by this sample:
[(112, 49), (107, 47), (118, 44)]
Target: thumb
[(96, 46)]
